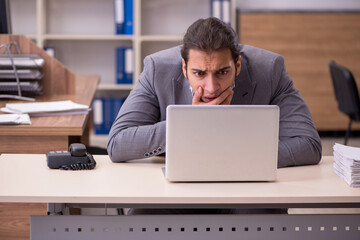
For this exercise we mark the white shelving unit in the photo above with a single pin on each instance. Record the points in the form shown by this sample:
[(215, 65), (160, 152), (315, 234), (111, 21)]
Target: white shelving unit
[(83, 32), (89, 24)]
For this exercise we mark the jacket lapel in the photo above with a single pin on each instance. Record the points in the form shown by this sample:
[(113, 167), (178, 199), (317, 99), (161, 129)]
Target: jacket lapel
[(244, 86), (182, 92)]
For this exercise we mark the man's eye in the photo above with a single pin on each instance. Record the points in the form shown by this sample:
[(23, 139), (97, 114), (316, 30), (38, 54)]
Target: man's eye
[(223, 72), (199, 74)]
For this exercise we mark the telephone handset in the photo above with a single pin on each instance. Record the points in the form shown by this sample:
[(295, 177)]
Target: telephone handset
[(75, 159)]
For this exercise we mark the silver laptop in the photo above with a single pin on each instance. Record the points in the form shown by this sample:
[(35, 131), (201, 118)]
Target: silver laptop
[(221, 143)]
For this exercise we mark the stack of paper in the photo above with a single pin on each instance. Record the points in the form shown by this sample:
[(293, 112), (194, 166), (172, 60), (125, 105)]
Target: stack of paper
[(39, 109), (347, 163)]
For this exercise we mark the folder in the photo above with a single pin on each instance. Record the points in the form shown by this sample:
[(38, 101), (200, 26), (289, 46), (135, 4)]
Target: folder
[(119, 16), (98, 116), (129, 65), (107, 114), (124, 65), (215, 8), (117, 103), (226, 11), (50, 51), (129, 17), (120, 65)]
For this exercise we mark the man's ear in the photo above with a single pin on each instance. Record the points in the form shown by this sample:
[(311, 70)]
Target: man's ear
[(238, 66), (184, 68)]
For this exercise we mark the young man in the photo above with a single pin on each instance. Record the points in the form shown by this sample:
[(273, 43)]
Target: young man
[(212, 68)]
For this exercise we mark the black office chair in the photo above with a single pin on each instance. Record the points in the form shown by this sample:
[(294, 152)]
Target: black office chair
[(346, 93)]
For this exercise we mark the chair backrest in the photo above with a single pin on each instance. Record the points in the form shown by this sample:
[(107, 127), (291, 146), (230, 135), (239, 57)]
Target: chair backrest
[(346, 91)]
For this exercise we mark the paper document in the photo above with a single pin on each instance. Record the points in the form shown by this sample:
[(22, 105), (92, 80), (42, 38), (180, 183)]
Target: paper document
[(47, 108), (21, 61), (9, 119), (24, 86), (347, 163), (29, 74)]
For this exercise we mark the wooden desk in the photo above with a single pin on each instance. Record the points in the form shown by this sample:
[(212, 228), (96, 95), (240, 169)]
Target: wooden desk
[(141, 184), (49, 133), (43, 135)]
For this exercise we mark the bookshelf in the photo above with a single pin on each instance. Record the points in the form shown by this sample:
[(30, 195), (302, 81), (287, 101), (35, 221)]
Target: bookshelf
[(83, 33), (87, 28)]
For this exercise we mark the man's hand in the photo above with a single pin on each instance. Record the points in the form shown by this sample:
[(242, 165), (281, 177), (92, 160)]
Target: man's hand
[(223, 99)]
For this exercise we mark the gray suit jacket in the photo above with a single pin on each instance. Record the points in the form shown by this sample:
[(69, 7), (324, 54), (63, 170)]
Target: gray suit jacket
[(139, 129)]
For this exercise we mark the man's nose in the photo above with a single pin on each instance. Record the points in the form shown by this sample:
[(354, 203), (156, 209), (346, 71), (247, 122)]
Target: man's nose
[(211, 84)]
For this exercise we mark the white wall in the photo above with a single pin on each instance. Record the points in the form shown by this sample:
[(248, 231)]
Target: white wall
[(298, 5)]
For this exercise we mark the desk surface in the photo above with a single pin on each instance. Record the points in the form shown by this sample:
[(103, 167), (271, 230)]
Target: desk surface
[(60, 125), (26, 178)]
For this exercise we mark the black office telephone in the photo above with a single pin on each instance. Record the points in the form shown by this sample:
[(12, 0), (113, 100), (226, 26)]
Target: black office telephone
[(75, 159)]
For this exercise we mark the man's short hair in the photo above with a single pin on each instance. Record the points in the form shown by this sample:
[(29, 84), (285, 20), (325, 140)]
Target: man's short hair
[(210, 34)]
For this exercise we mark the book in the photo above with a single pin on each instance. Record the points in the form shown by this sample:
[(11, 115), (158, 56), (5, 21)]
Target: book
[(129, 65), (129, 17), (116, 105), (98, 121), (120, 65), (221, 9), (226, 11), (124, 65), (215, 8), (119, 16), (105, 113), (50, 51)]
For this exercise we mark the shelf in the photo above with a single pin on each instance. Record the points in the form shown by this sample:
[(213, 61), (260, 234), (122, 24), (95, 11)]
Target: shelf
[(161, 38), (115, 87), (83, 33), (31, 36), (88, 37)]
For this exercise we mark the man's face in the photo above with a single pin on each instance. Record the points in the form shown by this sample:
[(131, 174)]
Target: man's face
[(214, 72)]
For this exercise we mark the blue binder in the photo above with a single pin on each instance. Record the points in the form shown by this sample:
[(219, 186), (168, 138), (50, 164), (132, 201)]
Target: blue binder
[(129, 17), (215, 8), (120, 65), (108, 115), (226, 11), (124, 65), (98, 122), (119, 16), (221, 9), (129, 65), (116, 105), (50, 51)]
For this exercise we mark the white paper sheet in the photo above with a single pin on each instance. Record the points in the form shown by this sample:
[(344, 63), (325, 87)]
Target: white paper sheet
[(47, 108), (10, 119)]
